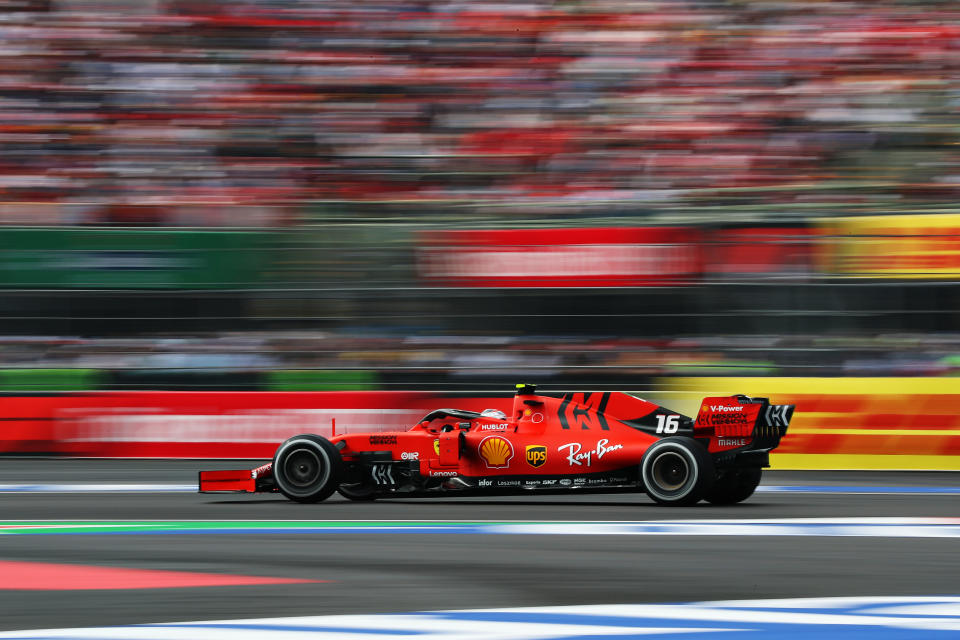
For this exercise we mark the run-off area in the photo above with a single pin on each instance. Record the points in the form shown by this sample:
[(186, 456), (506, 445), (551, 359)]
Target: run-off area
[(880, 618), (138, 558)]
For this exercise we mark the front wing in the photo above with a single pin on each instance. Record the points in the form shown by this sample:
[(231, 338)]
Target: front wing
[(259, 480)]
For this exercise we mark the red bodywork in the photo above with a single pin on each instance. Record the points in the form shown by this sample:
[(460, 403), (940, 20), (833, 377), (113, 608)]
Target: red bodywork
[(555, 441)]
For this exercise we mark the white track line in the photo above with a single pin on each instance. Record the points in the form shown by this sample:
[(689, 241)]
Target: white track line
[(98, 488)]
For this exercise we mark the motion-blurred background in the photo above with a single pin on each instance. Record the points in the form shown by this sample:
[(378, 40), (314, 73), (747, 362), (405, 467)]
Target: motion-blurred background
[(294, 195)]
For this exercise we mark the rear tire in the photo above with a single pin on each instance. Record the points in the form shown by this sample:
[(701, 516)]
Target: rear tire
[(677, 471), (307, 468), (734, 485)]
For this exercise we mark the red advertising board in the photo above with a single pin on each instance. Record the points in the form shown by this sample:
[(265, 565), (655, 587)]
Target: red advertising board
[(758, 251), (893, 423), (587, 257), (198, 424)]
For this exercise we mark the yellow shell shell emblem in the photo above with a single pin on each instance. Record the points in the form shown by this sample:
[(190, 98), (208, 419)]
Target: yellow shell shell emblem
[(496, 451)]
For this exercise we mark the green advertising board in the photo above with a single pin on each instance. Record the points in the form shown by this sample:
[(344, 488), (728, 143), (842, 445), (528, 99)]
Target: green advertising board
[(132, 259), (321, 380)]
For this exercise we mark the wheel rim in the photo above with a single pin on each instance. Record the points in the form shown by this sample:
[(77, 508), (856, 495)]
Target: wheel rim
[(670, 471), (302, 468)]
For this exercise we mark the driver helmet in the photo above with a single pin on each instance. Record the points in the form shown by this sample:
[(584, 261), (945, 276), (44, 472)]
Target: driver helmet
[(494, 413)]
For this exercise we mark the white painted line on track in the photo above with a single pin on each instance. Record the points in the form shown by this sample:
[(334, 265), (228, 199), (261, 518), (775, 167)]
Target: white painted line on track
[(103, 487), (98, 488), (879, 618), (859, 489), (860, 528)]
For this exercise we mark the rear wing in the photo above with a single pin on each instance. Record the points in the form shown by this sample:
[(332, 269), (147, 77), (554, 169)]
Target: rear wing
[(772, 423), (741, 424)]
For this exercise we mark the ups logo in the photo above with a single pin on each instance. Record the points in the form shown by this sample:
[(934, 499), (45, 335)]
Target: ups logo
[(536, 455)]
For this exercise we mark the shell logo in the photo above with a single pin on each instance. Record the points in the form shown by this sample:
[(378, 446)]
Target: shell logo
[(496, 451)]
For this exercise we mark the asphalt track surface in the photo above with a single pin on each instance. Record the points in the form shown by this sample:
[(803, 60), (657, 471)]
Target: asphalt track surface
[(384, 572)]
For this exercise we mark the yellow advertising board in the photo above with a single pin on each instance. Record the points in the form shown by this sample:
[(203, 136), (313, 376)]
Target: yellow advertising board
[(900, 246), (848, 423)]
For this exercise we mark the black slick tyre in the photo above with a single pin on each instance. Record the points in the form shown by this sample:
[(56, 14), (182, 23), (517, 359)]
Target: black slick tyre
[(307, 468), (734, 485), (677, 471)]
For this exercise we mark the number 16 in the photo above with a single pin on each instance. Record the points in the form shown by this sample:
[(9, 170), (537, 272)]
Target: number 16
[(668, 424)]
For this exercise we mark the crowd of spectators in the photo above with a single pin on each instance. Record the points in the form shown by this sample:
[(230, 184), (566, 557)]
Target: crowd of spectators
[(270, 112), (414, 362)]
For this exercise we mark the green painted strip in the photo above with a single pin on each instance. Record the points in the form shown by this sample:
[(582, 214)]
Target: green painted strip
[(864, 527), (40, 527), (234, 524)]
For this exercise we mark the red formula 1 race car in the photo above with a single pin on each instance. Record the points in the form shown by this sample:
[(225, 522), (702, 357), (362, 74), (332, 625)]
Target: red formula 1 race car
[(588, 442)]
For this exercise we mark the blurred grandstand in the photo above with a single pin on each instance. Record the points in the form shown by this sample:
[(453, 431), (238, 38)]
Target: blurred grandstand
[(257, 113), (293, 194)]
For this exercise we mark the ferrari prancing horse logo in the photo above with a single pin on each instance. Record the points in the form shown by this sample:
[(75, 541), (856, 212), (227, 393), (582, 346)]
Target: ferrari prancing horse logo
[(536, 455)]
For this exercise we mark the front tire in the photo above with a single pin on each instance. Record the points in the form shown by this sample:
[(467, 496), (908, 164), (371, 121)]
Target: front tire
[(307, 468), (734, 485), (677, 471)]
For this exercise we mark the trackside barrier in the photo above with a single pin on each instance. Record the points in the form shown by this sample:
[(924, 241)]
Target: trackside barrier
[(839, 423), (849, 423), (199, 424)]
